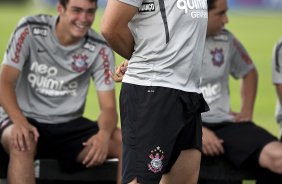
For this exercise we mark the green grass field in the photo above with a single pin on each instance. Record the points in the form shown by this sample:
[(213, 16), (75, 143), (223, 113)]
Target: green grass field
[(257, 30)]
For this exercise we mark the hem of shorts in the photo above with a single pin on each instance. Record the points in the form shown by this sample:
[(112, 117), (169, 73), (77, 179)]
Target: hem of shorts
[(9, 124), (193, 147)]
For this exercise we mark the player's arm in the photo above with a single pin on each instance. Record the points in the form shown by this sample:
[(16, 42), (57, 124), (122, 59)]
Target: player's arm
[(279, 91), (248, 95), (242, 67), (107, 122), (115, 27), (108, 114), (22, 129)]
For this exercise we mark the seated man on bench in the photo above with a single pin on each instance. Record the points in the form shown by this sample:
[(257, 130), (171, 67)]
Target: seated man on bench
[(44, 79), (233, 135)]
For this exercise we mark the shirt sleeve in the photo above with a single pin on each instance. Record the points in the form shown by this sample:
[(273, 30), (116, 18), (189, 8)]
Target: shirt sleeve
[(136, 3), (241, 62), (277, 63), (105, 62), (19, 46)]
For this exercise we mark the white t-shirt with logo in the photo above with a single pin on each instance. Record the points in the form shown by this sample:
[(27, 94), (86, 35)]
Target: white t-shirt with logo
[(169, 37), (54, 79), (224, 56)]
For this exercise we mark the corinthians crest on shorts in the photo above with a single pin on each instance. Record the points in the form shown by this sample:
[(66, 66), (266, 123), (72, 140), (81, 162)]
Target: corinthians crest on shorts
[(156, 163), (79, 63), (217, 57)]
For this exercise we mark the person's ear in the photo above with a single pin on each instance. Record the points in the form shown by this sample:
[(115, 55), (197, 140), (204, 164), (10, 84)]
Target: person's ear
[(60, 8)]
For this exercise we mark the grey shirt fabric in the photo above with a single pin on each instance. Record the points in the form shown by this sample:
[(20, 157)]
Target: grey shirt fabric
[(224, 56), (277, 75), (54, 79), (169, 41)]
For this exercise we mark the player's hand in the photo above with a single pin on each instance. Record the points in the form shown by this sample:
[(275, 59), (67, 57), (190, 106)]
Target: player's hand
[(242, 116), (22, 135), (212, 145), (98, 146), (120, 71)]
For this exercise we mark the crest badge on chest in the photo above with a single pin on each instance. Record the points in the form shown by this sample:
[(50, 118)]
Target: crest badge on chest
[(79, 63), (217, 57)]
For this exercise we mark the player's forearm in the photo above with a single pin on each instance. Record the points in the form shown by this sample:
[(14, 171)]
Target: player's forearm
[(108, 121), (8, 78), (9, 103), (248, 92), (279, 92)]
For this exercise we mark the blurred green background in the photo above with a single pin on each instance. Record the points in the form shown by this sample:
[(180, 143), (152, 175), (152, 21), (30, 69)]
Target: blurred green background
[(258, 30)]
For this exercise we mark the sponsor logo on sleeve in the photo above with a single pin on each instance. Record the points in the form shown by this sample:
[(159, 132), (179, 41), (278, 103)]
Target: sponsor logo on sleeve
[(19, 45), (147, 7), (38, 31), (106, 64), (196, 8), (243, 53)]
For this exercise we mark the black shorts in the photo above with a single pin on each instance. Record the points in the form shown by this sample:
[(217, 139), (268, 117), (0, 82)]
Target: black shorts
[(157, 124), (243, 142), (62, 141)]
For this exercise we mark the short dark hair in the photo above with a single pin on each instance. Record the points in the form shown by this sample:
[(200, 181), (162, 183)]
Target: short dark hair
[(65, 2), (211, 4)]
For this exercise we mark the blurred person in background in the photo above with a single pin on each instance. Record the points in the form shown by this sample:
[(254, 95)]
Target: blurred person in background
[(277, 80), (233, 135), (44, 78)]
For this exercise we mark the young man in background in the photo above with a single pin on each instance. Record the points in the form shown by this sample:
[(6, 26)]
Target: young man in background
[(44, 78)]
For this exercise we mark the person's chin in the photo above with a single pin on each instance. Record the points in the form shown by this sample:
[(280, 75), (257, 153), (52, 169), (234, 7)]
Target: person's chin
[(80, 34)]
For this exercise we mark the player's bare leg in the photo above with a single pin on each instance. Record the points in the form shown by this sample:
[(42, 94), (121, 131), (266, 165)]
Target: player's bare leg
[(21, 168), (271, 157), (185, 170)]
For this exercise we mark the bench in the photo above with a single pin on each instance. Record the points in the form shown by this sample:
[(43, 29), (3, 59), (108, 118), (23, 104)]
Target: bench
[(216, 170), (49, 170)]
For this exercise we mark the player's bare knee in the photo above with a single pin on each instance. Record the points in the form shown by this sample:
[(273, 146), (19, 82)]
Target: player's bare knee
[(276, 161), (26, 153), (10, 148), (271, 157), (277, 166)]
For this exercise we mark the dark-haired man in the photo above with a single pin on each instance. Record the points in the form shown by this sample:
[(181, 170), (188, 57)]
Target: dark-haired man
[(233, 135), (44, 80)]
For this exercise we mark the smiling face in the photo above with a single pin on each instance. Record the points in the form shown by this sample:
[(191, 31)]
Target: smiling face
[(75, 19), (217, 17)]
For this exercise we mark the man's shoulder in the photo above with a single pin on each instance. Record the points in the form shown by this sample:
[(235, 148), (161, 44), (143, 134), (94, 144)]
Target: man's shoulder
[(224, 36), (37, 24), (96, 39), (39, 20), (279, 44)]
